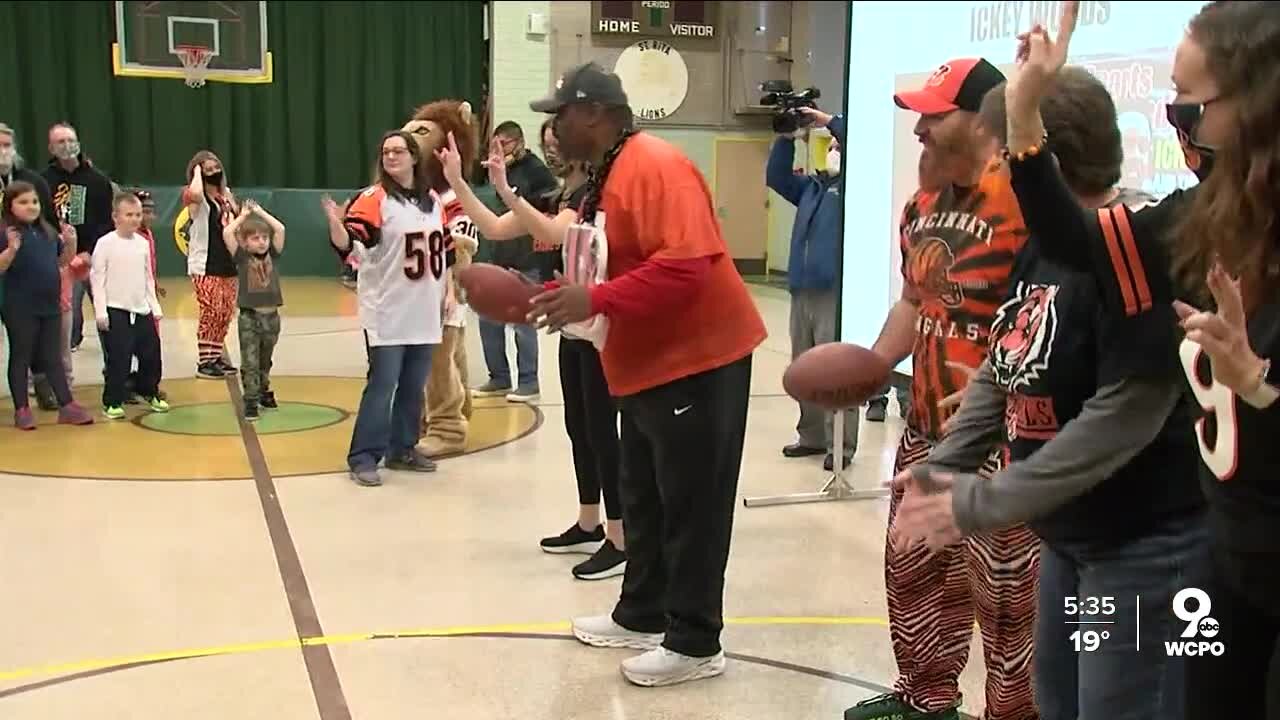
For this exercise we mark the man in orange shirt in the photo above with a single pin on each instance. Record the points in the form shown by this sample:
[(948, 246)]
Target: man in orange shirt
[(960, 234), (677, 356)]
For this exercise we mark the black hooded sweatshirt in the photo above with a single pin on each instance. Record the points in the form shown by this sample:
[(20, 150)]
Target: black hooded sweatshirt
[(81, 198)]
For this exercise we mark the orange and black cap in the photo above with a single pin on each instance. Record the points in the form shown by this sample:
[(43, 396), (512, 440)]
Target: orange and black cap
[(956, 85)]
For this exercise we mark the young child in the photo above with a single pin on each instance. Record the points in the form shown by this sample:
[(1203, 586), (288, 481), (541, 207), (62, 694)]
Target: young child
[(255, 239), (127, 308), (31, 255), (148, 219)]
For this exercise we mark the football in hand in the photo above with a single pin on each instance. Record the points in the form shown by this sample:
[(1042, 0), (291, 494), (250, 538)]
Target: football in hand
[(496, 293), (836, 376)]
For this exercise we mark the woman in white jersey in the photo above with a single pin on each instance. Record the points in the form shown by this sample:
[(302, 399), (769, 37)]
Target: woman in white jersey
[(396, 228)]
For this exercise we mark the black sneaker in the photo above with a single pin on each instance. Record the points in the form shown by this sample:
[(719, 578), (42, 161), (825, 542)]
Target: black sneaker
[(210, 371), (251, 411), (226, 366), (268, 401), (607, 562), (574, 540), (829, 462)]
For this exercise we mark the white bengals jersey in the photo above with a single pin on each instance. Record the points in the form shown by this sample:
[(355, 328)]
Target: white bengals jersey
[(585, 252), (463, 238), (403, 259)]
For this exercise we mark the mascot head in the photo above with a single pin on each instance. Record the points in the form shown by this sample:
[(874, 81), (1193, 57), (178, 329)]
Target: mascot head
[(431, 125)]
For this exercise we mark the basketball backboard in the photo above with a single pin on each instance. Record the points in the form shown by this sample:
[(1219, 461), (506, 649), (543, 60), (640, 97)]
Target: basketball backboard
[(149, 35)]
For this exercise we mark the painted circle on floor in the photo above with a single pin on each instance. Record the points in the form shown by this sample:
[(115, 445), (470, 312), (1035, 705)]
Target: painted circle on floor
[(199, 438), (221, 419)]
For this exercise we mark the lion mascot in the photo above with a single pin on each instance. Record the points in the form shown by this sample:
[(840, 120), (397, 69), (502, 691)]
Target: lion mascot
[(447, 409)]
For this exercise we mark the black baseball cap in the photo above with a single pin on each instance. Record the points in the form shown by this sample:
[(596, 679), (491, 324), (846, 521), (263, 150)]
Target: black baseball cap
[(586, 83), (956, 85)]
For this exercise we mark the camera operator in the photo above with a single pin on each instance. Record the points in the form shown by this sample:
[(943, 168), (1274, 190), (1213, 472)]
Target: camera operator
[(812, 268)]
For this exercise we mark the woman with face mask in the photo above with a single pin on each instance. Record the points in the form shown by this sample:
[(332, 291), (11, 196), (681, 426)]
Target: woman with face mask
[(213, 273), (1193, 285)]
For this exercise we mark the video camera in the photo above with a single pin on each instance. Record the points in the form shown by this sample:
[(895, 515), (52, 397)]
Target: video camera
[(786, 103)]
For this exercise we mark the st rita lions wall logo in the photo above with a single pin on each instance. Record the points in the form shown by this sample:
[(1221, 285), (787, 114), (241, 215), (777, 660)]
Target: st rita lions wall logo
[(1199, 624)]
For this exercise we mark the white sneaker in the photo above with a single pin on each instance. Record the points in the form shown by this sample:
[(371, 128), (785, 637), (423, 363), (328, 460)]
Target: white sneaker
[(661, 666), (601, 631)]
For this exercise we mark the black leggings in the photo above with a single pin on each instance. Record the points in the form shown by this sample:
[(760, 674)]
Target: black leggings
[(1245, 681), (591, 419), (35, 340)]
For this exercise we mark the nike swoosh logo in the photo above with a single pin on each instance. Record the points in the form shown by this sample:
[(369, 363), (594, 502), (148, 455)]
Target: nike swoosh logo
[(683, 410)]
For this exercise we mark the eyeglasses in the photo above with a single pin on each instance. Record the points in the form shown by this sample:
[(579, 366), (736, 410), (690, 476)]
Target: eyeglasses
[(395, 152)]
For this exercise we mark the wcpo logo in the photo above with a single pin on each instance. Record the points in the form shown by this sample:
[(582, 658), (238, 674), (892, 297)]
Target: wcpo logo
[(1199, 624)]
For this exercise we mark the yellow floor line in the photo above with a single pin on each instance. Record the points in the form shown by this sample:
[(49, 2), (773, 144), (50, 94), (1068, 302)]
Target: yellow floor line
[(247, 648)]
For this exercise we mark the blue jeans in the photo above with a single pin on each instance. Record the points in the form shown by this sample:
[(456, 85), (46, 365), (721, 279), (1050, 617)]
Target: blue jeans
[(493, 339), (1129, 676), (391, 408)]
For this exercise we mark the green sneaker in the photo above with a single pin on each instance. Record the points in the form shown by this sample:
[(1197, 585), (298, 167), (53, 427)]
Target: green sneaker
[(158, 404), (113, 413), (891, 707)]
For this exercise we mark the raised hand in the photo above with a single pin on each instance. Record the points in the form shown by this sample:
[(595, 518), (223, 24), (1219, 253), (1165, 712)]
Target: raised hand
[(14, 237), (67, 233), (1224, 334), (332, 210), (450, 160), (1039, 58), (497, 167)]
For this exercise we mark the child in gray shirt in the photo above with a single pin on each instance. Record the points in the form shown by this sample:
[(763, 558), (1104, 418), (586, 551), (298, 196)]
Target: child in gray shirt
[(255, 240)]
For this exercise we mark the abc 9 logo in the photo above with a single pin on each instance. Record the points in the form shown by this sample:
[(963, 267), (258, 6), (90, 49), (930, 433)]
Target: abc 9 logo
[(1197, 620)]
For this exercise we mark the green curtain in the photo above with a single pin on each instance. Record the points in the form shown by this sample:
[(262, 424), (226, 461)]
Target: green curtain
[(345, 72)]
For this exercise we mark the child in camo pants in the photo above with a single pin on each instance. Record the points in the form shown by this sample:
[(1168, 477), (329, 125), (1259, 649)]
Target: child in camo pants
[(255, 240)]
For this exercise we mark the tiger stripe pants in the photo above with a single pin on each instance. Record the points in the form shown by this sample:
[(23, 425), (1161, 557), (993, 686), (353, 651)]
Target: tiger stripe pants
[(933, 598), (216, 300)]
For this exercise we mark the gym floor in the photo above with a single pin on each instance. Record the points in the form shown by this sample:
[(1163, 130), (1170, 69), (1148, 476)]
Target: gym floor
[(190, 566)]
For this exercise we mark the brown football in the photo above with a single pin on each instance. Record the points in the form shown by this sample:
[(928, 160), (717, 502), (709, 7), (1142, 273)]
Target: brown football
[(836, 376), (496, 293)]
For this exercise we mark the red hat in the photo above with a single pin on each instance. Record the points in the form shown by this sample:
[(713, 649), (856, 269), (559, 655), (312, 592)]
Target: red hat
[(956, 85)]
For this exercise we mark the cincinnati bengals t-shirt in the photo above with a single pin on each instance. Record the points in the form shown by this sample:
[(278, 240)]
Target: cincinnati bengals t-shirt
[(958, 248), (658, 207), (1052, 348)]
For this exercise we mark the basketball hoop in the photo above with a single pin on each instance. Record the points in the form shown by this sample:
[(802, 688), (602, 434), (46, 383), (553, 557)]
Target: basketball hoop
[(195, 63)]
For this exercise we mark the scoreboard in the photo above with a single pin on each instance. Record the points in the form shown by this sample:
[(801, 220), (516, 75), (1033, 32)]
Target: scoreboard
[(654, 18)]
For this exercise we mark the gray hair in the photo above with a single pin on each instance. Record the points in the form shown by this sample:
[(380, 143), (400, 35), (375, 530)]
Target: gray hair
[(17, 156)]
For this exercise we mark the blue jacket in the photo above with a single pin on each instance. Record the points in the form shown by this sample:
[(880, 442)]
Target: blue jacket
[(815, 257)]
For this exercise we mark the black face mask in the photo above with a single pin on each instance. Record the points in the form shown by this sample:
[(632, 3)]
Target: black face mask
[(214, 178), (1185, 119)]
